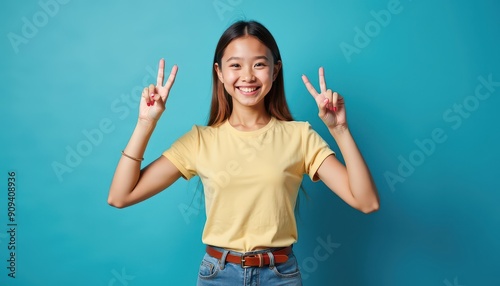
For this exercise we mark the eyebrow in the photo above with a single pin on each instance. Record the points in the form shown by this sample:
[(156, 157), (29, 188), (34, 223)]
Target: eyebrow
[(255, 58)]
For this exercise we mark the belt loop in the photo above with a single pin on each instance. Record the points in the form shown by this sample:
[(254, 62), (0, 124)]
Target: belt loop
[(271, 260), (222, 261), (261, 260)]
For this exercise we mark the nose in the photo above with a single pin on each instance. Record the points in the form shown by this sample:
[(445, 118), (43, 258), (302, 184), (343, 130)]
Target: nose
[(247, 75)]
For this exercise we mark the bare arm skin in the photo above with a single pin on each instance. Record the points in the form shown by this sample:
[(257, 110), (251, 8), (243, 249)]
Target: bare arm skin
[(130, 184), (353, 182)]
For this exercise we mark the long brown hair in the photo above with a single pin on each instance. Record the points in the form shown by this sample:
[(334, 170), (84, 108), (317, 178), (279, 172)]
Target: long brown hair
[(222, 104)]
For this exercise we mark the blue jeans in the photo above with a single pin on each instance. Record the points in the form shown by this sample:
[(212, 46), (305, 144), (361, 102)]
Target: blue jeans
[(215, 272)]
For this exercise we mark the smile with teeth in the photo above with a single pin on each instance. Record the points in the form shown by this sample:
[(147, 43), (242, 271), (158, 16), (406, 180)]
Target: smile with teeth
[(248, 89)]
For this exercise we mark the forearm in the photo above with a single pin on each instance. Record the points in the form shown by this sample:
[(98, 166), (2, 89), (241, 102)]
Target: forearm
[(361, 183), (128, 170)]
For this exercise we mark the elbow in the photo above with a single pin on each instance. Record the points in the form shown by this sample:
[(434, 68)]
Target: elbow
[(118, 199), (370, 208), (116, 203)]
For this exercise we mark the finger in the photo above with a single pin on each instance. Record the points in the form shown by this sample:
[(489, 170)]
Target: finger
[(171, 78), (151, 94), (156, 99), (322, 107), (161, 68), (309, 86), (335, 97), (145, 94), (340, 101), (322, 83), (329, 94)]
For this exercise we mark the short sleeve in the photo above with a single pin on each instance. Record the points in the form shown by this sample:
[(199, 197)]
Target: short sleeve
[(315, 151), (183, 153)]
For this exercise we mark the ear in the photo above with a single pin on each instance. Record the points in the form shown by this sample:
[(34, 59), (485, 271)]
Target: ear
[(219, 72), (277, 68)]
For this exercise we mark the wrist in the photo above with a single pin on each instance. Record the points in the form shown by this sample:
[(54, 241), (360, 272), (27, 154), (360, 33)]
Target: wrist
[(146, 125), (339, 131)]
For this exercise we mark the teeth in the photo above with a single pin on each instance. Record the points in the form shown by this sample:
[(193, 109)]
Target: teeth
[(246, 89)]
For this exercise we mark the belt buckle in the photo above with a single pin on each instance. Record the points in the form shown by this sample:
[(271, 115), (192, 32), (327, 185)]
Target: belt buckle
[(259, 255), (243, 261)]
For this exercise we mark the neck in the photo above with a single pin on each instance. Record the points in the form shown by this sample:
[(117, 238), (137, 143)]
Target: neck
[(248, 119)]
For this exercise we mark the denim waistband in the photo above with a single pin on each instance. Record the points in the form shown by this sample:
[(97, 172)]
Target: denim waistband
[(266, 250)]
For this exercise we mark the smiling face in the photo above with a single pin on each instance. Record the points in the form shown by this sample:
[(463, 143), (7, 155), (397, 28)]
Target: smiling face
[(247, 71)]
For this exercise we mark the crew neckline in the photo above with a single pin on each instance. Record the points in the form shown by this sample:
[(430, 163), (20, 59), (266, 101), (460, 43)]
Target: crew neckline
[(253, 132)]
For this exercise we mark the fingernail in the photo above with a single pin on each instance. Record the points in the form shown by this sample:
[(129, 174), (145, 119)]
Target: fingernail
[(152, 94)]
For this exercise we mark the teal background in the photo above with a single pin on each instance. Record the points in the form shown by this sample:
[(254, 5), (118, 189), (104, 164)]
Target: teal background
[(438, 225)]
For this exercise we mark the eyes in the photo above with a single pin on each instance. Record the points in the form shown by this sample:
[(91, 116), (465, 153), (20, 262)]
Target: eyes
[(256, 65)]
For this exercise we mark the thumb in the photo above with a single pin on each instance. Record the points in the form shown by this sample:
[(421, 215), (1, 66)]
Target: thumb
[(322, 108)]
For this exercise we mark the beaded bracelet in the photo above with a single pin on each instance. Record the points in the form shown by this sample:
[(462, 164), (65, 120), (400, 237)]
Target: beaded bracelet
[(130, 157)]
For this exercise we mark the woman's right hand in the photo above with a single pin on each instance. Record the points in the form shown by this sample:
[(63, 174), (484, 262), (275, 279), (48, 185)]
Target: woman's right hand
[(153, 97)]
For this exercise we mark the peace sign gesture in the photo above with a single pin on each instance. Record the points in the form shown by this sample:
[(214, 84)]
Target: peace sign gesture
[(154, 97), (330, 104)]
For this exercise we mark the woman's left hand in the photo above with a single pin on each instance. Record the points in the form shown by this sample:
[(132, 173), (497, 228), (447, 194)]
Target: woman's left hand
[(330, 104)]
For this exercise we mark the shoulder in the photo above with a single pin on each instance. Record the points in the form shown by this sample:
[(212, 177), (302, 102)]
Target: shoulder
[(302, 129), (297, 126), (292, 122), (193, 137), (202, 131), (206, 130)]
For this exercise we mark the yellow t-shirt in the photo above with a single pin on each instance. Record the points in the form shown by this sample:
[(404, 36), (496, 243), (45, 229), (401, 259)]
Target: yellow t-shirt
[(251, 179)]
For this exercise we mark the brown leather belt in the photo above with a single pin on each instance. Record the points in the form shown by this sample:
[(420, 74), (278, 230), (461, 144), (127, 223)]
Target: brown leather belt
[(252, 260)]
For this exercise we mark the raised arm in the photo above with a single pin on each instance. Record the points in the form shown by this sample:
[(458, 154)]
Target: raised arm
[(130, 184), (353, 182)]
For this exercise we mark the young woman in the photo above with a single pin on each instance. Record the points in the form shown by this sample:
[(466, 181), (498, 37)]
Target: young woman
[(251, 159)]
